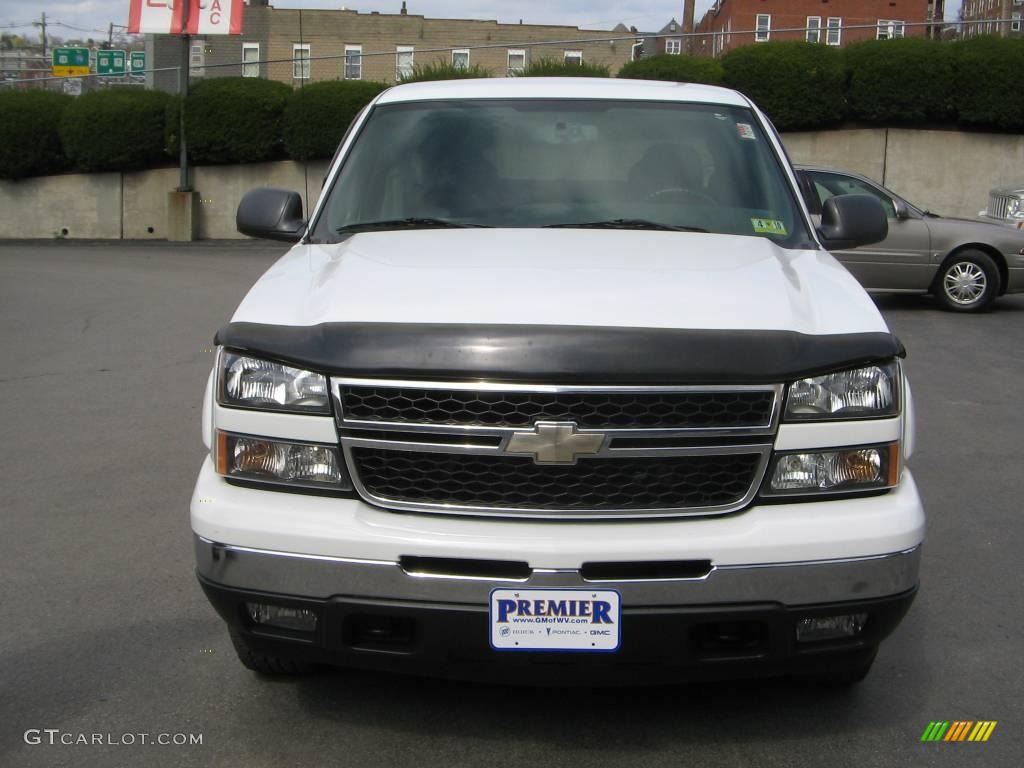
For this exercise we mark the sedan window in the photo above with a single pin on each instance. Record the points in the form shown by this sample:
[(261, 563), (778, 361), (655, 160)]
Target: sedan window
[(831, 184)]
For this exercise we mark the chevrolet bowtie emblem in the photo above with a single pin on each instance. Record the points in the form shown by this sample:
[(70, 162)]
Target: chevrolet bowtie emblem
[(555, 442)]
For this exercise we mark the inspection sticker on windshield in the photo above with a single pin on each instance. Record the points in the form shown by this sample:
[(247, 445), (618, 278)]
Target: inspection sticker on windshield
[(745, 131), (555, 620), (768, 226)]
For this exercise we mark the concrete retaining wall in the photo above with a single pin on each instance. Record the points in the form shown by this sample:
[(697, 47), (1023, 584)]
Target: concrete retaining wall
[(949, 172), (133, 206)]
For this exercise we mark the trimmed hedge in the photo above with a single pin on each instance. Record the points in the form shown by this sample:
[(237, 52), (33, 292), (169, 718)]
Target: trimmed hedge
[(235, 120), (30, 133), (900, 81), (444, 71), (797, 84), (559, 68), (987, 83), (115, 130), (318, 114), (679, 69)]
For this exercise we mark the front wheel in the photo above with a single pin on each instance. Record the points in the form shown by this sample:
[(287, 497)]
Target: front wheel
[(968, 281), (267, 663), (846, 671)]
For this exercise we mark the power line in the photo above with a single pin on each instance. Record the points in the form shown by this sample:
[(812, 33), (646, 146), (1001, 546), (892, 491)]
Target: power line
[(530, 44)]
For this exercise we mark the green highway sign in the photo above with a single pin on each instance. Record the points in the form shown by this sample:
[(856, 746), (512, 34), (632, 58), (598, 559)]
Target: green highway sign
[(70, 62), (111, 62), (137, 62)]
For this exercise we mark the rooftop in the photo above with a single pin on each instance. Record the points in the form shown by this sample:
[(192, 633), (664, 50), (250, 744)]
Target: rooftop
[(561, 88)]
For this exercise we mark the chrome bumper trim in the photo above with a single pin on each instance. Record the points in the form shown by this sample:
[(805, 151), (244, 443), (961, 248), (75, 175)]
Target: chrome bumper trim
[(318, 576)]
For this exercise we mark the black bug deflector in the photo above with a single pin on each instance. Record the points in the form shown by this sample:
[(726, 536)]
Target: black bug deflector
[(559, 354)]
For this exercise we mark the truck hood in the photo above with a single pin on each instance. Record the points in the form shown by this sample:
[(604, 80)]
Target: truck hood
[(559, 277)]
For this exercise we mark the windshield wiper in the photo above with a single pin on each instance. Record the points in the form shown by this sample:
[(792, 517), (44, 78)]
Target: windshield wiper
[(625, 224), (412, 222)]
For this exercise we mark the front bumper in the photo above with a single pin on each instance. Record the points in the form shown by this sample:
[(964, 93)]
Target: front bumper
[(671, 643), (407, 592), (730, 622)]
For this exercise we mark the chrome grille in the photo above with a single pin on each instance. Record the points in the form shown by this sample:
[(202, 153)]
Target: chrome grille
[(445, 447), (998, 206), (591, 484), (596, 410)]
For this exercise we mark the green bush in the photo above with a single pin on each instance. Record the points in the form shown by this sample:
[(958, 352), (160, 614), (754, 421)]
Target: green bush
[(115, 130), (899, 81), (235, 120), (798, 85), (440, 70), (550, 67), (30, 133), (679, 69), (318, 114), (987, 83)]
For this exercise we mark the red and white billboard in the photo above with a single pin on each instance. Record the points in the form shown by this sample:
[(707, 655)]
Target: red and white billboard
[(157, 16), (215, 17), (205, 17)]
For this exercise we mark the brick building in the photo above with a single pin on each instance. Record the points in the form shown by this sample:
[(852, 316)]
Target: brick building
[(730, 24), (992, 17), (284, 44)]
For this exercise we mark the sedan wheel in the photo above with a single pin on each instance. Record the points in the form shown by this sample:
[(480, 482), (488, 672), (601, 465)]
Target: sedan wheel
[(967, 282)]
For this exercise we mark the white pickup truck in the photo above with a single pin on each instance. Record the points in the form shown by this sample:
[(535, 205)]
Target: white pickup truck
[(559, 383)]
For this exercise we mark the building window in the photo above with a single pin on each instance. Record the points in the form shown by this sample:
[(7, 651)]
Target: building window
[(834, 33), (1015, 22), (574, 57), (638, 51), (250, 59), (353, 62), (516, 61), (674, 46), (197, 58), (814, 29), (404, 61), (764, 28), (889, 29), (300, 61), (460, 58)]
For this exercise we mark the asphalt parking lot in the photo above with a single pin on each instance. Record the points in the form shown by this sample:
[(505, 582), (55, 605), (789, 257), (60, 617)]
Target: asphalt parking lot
[(103, 629)]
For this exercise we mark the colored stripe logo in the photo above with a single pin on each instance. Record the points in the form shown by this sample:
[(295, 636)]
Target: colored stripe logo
[(958, 730)]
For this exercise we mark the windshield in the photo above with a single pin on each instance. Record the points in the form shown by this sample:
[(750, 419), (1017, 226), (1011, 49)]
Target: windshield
[(562, 163)]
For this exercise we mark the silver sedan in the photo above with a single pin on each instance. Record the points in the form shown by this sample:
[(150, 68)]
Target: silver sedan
[(964, 263)]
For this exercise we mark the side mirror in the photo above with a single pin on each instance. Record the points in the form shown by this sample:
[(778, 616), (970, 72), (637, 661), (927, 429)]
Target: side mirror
[(902, 212), (848, 221), (273, 214)]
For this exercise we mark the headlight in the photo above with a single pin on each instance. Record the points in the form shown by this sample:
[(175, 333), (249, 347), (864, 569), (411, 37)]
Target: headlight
[(276, 461), (843, 470), (249, 382), (855, 394), (1014, 208)]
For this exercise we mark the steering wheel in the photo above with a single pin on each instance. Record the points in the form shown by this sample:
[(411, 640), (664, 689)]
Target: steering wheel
[(699, 197)]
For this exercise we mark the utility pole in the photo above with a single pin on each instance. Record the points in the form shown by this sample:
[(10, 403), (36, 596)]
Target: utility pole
[(183, 185), (43, 25), (110, 36)]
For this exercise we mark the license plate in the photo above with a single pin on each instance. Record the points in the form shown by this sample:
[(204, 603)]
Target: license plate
[(555, 620)]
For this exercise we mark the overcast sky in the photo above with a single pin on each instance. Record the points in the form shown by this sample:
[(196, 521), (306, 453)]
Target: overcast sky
[(647, 15)]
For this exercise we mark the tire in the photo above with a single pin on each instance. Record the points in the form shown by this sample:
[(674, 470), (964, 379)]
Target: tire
[(968, 281), (267, 663), (845, 672)]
